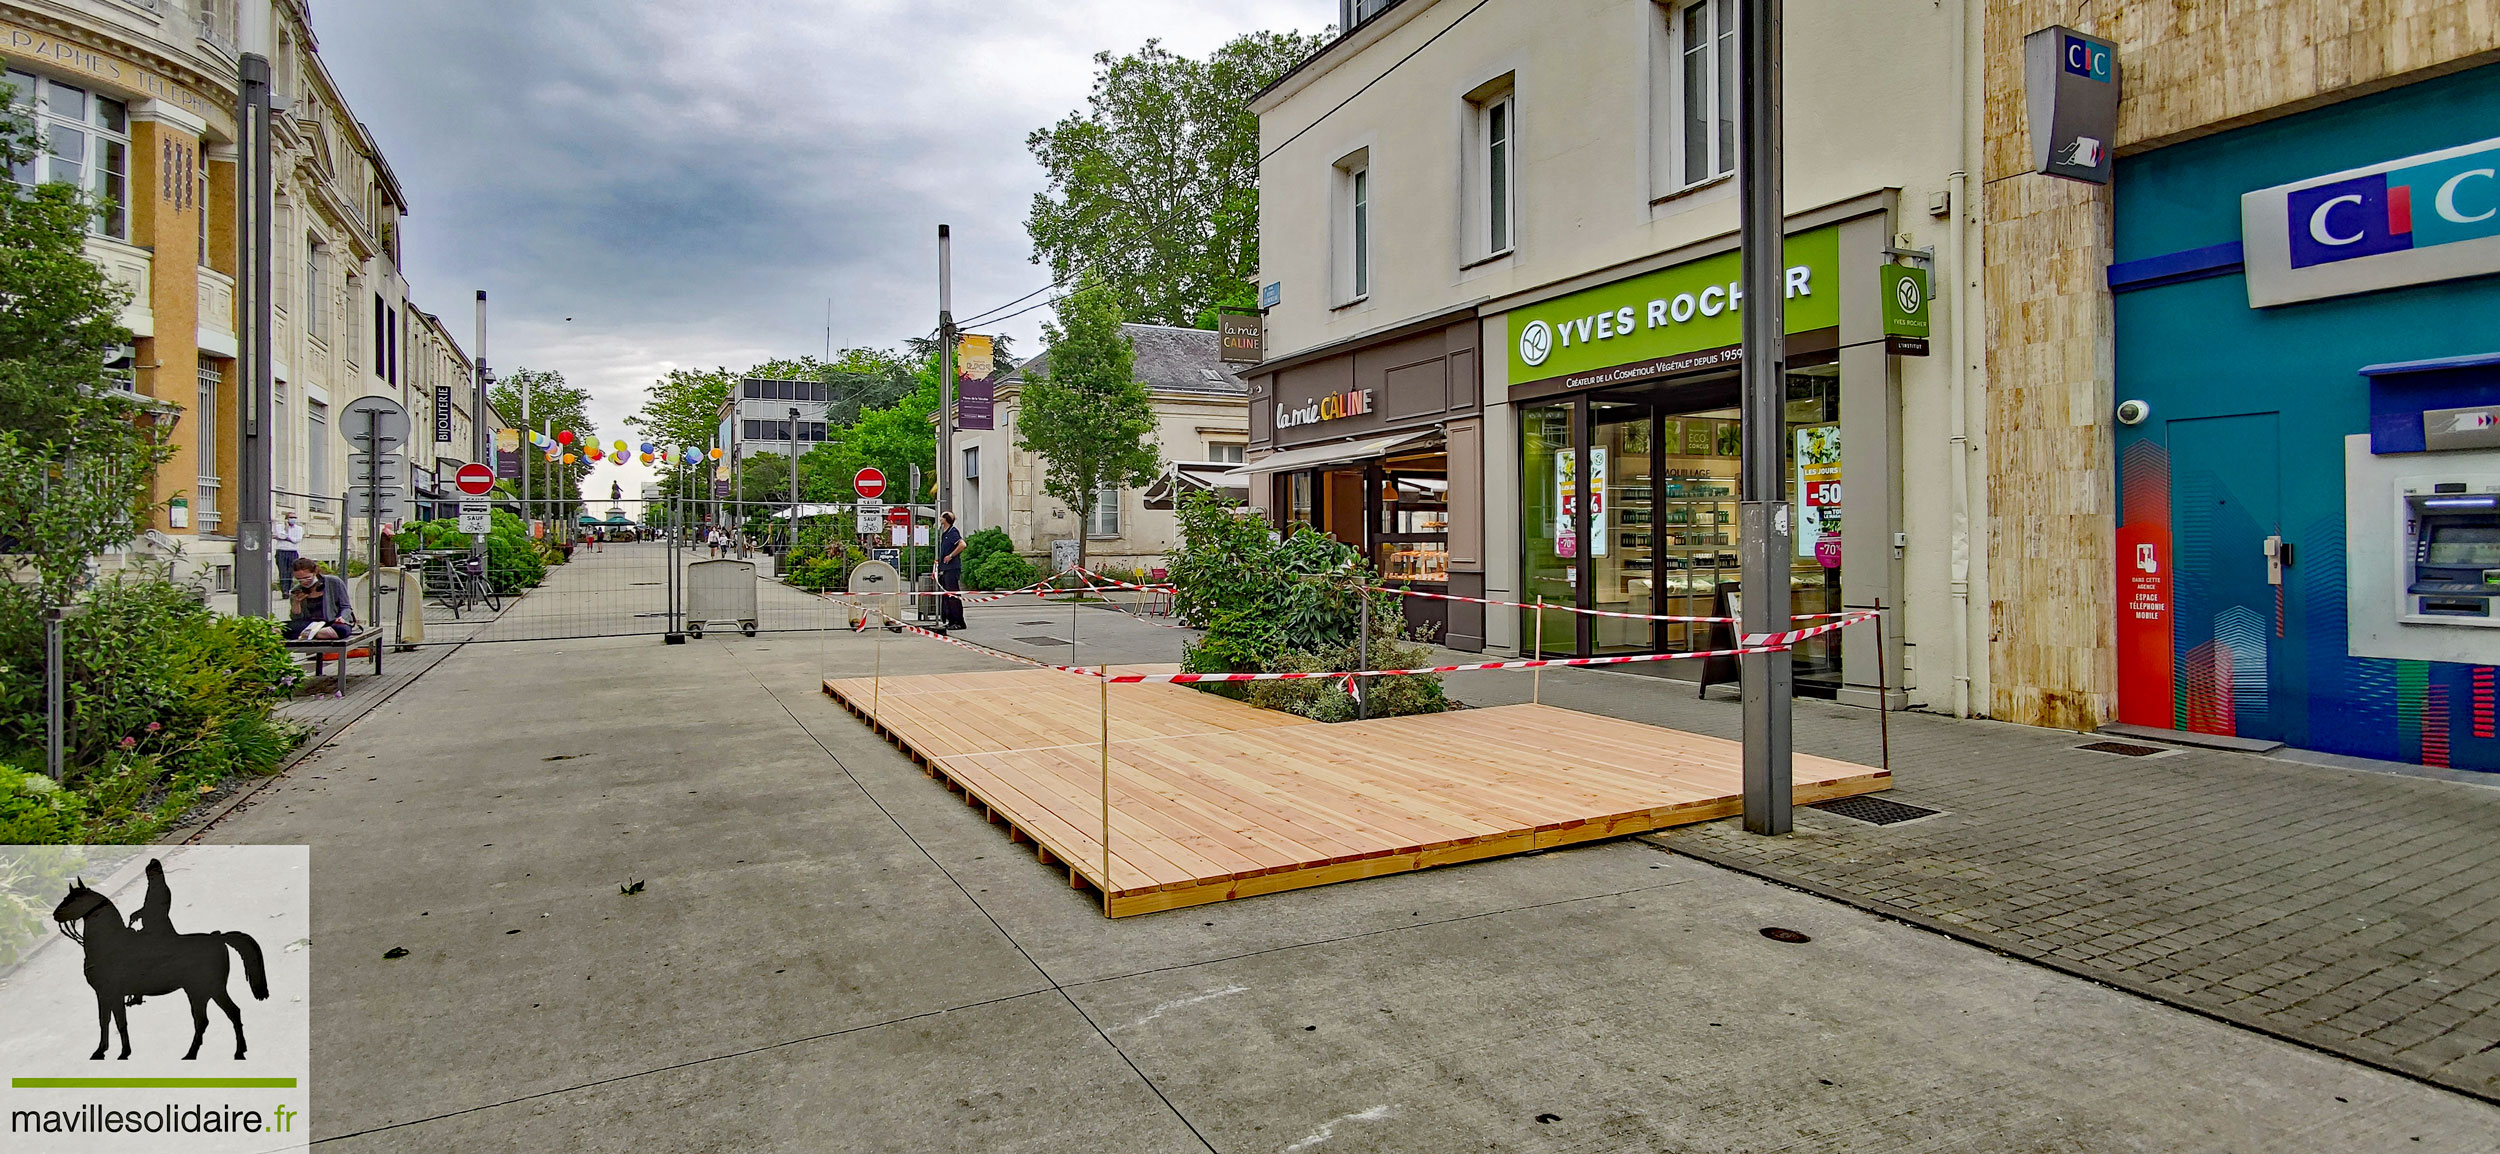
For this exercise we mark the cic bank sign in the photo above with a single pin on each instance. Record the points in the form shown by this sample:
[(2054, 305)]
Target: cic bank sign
[(2423, 218)]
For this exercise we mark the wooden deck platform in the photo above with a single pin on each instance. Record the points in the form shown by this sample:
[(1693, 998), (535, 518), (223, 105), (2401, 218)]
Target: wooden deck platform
[(1213, 799)]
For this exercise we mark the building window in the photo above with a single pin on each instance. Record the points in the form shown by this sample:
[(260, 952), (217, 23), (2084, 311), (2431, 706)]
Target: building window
[(1352, 14), (1105, 519), (205, 418), (1699, 92), (82, 140), (1492, 170), (316, 287), (1224, 452), (316, 449), (381, 334), (1354, 227), (281, 446)]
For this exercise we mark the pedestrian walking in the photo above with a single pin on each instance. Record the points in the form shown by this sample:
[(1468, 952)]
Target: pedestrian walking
[(288, 541), (950, 574)]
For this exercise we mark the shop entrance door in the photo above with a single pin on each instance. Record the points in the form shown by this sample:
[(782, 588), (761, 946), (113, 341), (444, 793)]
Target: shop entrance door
[(2225, 500)]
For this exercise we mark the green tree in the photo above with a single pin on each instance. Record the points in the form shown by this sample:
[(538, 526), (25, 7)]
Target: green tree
[(77, 453), (1154, 189), (684, 407), (557, 405), (1086, 414)]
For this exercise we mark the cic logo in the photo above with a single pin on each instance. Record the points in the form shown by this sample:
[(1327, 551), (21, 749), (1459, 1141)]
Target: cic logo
[(2416, 207), (2085, 59)]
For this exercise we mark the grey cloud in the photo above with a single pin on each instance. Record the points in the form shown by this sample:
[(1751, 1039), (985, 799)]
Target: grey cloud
[(691, 182)]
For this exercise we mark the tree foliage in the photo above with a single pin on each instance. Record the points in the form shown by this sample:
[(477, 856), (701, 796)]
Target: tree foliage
[(77, 453), (1086, 414), (1154, 188)]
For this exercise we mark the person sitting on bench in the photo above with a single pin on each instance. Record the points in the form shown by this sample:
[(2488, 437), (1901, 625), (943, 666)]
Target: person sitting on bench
[(321, 608)]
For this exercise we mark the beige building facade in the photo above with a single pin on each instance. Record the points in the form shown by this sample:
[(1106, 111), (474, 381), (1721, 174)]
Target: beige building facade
[(138, 99), (1200, 421), (1498, 241)]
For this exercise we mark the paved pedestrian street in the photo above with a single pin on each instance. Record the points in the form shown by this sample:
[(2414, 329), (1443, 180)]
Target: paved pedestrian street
[(831, 952)]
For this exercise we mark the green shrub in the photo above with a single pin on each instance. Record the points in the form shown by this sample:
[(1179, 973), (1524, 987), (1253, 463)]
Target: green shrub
[(164, 698), (1003, 570), (1290, 603)]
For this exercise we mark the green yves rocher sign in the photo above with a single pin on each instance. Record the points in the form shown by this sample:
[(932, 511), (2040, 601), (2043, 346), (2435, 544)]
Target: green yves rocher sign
[(1909, 315), (1673, 320)]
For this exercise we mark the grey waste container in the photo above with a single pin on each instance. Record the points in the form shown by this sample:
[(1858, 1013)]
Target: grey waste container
[(720, 591)]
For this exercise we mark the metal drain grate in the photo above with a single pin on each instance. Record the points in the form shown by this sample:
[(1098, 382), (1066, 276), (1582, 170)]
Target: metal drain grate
[(1875, 810), (2122, 749), (1041, 640)]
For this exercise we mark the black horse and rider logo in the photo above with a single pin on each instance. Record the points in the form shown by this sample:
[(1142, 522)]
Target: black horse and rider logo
[(127, 964)]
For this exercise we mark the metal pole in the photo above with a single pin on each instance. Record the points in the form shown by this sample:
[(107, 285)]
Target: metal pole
[(946, 376), (55, 712), (252, 558), (373, 519), (1883, 691), (480, 440), (527, 513), (1536, 681), (1767, 677), (1106, 791), (1362, 656), (794, 482)]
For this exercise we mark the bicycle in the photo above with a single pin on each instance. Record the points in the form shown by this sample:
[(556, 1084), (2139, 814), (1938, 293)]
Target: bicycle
[(465, 585)]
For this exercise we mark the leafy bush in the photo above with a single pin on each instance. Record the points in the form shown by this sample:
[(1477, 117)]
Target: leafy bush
[(1006, 570), (1273, 603), (165, 698)]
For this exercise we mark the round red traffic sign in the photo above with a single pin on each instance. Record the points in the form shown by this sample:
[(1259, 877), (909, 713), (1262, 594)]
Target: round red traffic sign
[(474, 479), (869, 483)]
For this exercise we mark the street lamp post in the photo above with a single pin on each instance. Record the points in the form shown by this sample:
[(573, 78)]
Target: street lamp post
[(794, 478), (1764, 514)]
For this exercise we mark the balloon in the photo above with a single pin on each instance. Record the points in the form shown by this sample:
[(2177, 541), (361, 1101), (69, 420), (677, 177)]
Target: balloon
[(646, 458), (564, 436), (553, 456), (620, 446), (716, 454), (570, 458)]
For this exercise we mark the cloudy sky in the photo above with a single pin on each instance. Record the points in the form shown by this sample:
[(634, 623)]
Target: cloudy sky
[(690, 183)]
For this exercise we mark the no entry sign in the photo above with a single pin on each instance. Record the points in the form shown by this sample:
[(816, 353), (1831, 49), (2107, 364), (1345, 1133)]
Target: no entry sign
[(868, 483), (474, 479)]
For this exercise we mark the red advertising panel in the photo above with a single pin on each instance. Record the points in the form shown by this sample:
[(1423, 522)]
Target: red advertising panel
[(2145, 671)]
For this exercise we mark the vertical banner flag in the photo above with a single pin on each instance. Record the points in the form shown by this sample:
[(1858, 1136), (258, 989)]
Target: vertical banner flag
[(508, 454), (976, 385)]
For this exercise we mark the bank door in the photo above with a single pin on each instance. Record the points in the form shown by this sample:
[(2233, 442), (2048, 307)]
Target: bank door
[(2226, 527)]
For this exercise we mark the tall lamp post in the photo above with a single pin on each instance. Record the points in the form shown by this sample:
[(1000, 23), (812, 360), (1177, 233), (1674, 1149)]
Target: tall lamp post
[(1767, 677), (793, 540)]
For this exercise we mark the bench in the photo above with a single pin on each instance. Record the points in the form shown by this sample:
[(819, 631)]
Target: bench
[(368, 637)]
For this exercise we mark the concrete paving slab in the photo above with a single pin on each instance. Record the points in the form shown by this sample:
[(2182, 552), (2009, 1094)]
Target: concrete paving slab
[(1024, 1074), (1664, 1020)]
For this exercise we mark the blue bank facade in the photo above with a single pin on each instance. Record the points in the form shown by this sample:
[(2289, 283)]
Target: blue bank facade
[(2307, 315)]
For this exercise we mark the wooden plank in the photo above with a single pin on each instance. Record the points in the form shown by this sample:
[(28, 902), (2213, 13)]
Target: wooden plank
[(1214, 799)]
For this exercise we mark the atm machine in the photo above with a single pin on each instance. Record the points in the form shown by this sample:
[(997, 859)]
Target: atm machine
[(2451, 551)]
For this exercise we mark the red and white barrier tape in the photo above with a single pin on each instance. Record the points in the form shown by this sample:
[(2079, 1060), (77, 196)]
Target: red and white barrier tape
[(1667, 617), (1534, 663), (1793, 636)]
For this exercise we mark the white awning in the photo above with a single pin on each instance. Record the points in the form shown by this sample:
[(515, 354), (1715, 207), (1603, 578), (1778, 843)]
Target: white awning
[(1181, 479), (1338, 453)]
